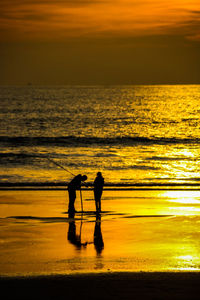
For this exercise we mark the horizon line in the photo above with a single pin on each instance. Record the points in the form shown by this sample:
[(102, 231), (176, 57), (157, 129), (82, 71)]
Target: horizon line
[(93, 84)]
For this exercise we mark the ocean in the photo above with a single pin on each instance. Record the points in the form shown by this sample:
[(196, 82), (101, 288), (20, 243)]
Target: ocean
[(135, 135)]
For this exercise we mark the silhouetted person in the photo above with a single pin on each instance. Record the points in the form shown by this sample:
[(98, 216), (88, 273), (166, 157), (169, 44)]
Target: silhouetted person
[(74, 238), (98, 189), (98, 239), (74, 185)]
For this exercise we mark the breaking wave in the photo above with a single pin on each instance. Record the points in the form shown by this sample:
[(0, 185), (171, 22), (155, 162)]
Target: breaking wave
[(88, 141)]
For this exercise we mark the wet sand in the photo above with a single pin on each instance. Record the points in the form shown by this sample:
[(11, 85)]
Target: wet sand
[(148, 231), (148, 246), (139, 285)]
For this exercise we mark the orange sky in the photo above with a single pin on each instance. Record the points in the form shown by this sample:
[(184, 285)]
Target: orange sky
[(146, 23), (24, 19)]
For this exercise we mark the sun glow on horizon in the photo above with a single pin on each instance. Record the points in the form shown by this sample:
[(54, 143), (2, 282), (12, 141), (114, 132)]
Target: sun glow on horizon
[(188, 262)]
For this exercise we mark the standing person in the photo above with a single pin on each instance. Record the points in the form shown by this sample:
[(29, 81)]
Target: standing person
[(98, 189), (75, 184)]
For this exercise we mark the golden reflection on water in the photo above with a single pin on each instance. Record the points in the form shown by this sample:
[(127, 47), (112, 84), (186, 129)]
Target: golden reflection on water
[(190, 200), (188, 262), (187, 211), (182, 195), (138, 164)]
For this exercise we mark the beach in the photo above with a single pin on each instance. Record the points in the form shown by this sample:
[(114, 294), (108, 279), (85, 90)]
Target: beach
[(148, 231), (148, 245)]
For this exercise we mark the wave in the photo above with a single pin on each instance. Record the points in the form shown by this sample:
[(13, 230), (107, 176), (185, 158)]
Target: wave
[(160, 158), (88, 141), (137, 167), (48, 185)]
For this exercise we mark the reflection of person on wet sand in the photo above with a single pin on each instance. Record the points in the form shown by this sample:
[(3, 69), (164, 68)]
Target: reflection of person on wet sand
[(74, 238), (98, 239), (98, 189)]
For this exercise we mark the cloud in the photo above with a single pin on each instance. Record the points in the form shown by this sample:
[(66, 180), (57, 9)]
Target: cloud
[(61, 19), (196, 12)]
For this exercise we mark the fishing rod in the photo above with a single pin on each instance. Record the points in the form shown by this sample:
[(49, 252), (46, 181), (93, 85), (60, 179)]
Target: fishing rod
[(81, 200), (54, 162), (57, 164)]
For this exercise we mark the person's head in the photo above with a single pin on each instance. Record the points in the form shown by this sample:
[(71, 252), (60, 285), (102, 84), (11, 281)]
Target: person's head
[(99, 174), (83, 178)]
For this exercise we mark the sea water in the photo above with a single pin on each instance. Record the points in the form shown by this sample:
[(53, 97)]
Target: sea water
[(139, 137), (132, 134)]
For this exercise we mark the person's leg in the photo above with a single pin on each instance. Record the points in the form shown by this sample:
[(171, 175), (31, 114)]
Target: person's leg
[(100, 205), (96, 200), (72, 197), (96, 203), (100, 194)]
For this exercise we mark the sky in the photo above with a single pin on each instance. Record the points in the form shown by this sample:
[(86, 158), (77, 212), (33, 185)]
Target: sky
[(50, 42)]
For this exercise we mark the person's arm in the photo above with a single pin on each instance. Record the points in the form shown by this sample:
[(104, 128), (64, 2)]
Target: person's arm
[(78, 187), (86, 184)]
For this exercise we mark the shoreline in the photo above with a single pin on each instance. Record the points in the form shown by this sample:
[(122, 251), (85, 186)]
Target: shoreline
[(108, 285), (112, 189), (187, 274), (108, 187), (121, 190)]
